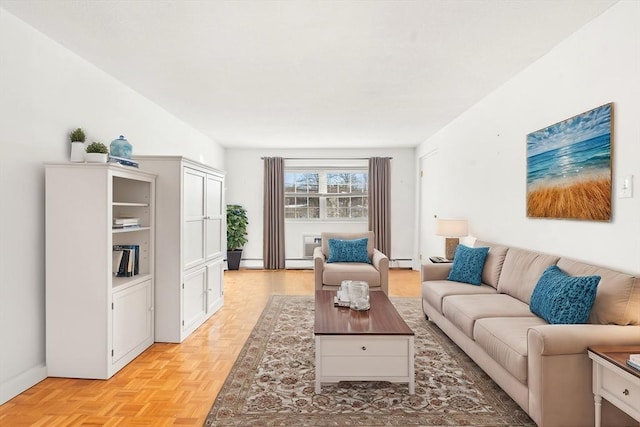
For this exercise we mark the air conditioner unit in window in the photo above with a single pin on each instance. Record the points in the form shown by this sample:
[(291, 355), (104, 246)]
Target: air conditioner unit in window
[(309, 243)]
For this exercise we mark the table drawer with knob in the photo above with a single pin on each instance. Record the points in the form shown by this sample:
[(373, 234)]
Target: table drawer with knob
[(365, 347), (621, 388)]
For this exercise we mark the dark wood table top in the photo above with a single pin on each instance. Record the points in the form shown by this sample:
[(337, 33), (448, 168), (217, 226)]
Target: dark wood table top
[(381, 319), (618, 355)]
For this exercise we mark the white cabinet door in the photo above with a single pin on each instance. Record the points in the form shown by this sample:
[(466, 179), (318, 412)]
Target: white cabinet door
[(193, 298), (132, 319), (215, 217), (214, 286), (194, 218)]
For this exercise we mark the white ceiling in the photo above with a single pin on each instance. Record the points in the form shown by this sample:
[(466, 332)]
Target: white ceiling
[(285, 74)]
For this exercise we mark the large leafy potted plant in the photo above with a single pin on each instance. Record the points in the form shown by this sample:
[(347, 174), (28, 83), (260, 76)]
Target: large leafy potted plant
[(237, 222)]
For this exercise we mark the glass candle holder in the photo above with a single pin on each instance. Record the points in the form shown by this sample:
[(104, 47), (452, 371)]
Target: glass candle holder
[(359, 296)]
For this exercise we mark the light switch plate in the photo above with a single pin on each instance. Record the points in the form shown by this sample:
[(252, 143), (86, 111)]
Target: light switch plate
[(625, 187)]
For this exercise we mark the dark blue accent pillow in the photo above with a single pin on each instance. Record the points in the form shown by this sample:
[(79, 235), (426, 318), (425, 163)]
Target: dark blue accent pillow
[(348, 250), (562, 299), (468, 264)]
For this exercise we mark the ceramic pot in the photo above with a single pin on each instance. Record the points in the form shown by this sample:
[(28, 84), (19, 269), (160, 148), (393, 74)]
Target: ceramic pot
[(121, 148), (233, 259), (96, 157), (77, 152)]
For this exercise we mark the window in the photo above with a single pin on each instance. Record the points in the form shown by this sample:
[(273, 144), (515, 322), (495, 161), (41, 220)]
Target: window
[(326, 194), (301, 195)]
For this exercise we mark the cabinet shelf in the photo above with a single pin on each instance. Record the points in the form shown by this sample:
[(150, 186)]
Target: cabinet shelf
[(131, 204), (129, 230), (125, 282)]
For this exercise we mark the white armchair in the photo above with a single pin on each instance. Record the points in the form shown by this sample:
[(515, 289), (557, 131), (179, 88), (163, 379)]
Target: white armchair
[(329, 276)]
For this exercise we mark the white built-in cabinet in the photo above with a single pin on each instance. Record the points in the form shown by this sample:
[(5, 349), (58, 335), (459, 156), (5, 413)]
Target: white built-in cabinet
[(190, 244), (96, 323)]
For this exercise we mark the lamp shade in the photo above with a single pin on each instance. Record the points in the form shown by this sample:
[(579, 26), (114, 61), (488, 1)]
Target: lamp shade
[(452, 227)]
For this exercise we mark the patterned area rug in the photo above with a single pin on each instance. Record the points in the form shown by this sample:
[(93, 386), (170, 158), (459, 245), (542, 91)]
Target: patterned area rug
[(272, 382)]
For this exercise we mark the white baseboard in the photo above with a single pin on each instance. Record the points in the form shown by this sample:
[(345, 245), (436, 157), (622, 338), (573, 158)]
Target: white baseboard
[(401, 263), (307, 264), (16, 385), (304, 264)]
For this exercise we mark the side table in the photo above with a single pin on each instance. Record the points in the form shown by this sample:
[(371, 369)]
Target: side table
[(440, 260), (614, 380)]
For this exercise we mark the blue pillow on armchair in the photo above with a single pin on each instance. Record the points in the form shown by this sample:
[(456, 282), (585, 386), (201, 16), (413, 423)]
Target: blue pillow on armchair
[(348, 250), (468, 264)]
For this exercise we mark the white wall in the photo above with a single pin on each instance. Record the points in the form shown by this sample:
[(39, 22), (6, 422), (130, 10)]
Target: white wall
[(244, 187), (484, 150), (45, 92)]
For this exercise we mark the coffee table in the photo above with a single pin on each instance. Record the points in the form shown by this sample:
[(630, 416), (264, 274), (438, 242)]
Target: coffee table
[(373, 345)]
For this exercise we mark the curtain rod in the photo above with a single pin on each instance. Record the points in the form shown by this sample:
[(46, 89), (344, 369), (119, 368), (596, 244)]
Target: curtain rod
[(329, 158)]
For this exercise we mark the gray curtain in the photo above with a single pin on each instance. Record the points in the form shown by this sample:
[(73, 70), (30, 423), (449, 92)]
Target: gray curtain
[(379, 203), (273, 214)]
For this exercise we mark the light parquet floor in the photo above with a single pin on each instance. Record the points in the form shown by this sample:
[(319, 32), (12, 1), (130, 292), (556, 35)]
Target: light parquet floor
[(172, 384)]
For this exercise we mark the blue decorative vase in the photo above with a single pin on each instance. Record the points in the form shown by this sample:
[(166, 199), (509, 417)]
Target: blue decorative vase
[(120, 148)]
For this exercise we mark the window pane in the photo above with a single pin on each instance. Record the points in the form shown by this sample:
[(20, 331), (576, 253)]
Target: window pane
[(301, 182), (337, 183), (313, 182), (359, 182), (289, 209), (358, 212), (357, 202), (289, 182)]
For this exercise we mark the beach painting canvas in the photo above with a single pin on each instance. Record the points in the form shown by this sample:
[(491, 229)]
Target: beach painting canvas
[(569, 168)]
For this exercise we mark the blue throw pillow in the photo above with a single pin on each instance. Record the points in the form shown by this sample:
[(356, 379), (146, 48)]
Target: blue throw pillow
[(348, 250), (468, 264), (562, 299)]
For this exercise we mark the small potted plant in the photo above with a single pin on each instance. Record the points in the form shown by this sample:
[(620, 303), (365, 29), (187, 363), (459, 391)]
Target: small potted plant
[(97, 152), (77, 145), (237, 222)]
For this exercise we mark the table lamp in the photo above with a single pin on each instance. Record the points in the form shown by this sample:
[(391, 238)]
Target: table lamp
[(452, 229)]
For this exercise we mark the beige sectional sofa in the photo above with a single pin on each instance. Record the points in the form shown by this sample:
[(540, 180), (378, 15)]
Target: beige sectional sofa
[(543, 367)]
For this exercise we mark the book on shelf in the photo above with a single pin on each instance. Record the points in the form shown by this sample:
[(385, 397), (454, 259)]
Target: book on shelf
[(123, 226), (127, 258), (117, 259), (634, 361), (125, 220), (123, 161), (124, 264)]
